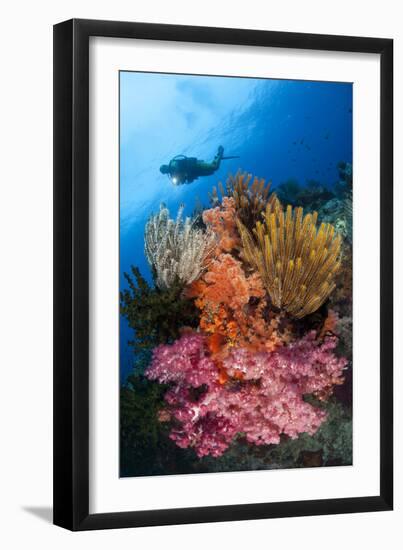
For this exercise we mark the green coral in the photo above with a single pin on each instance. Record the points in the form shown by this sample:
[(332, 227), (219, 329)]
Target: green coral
[(155, 315), (140, 401), (140, 429), (145, 448)]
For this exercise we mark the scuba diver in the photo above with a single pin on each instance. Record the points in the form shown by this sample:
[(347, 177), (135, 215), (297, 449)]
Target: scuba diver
[(183, 169)]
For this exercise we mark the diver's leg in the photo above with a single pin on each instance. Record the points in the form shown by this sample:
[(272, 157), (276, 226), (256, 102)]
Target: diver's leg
[(217, 159)]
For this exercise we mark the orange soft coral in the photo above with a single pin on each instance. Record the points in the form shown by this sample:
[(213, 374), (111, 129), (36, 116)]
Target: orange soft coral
[(234, 309), (221, 220), (330, 324)]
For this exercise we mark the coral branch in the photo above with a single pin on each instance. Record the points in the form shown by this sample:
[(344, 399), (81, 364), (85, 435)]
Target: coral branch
[(250, 199)]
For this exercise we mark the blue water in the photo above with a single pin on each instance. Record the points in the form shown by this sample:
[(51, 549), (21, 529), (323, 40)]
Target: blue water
[(281, 129)]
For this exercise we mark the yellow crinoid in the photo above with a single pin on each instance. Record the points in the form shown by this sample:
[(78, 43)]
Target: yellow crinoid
[(297, 261)]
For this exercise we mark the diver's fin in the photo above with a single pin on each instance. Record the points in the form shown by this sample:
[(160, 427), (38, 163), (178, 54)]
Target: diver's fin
[(233, 157)]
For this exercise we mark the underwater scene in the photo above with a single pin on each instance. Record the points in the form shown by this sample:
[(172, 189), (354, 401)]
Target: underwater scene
[(235, 274)]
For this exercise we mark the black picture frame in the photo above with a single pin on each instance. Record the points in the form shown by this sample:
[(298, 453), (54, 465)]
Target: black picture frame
[(71, 274)]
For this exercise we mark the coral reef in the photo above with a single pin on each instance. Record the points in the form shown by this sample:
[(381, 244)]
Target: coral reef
[(312, 195), (145, 446), (345, 329), (330, 324), (140, 401), (341, 299), (175, 249), (221, 221), (233, 309), (288, 191), (331, 445), (348, 216), (296, 260), (156, 316), (262, 399), (250, 199), (345, 183), (339, 212), (243, 356)]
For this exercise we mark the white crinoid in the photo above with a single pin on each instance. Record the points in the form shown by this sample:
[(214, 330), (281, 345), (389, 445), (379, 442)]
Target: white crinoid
[(176, 249)]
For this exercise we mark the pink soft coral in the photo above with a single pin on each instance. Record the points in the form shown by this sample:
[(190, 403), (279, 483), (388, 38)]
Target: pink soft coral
[(262, 399)]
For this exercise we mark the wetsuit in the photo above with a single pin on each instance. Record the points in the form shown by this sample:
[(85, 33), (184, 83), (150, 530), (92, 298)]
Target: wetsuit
[(186, 169)]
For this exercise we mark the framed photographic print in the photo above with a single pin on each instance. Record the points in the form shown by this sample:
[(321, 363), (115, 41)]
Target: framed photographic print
[(223, 331)]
